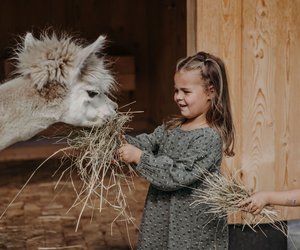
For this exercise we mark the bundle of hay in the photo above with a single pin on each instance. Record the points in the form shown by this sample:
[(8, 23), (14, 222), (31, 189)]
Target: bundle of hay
[(92, 155), (223, 194), (105, 179)]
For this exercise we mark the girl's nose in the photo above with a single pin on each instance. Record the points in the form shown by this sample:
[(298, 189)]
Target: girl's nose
[(179, 97)]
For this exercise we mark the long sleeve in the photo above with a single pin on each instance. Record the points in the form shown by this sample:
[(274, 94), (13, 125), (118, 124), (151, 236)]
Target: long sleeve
[(168, 173), (148, 142)]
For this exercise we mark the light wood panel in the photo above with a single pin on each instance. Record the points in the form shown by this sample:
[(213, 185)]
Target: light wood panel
[(259, 42), (218, 31), (191, 26), (258, 121), (270, 105), (287, 89)]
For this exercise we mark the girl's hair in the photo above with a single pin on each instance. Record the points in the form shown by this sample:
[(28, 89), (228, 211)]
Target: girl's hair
[(213, 73)]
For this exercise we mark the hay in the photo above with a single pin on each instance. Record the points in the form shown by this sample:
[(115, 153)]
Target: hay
[(105, 179), (222, 196), (91, 154)]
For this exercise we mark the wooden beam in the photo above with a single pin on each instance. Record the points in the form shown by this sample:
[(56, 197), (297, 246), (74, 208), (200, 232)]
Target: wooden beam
[(124, 70), (31, 150), (191, 26)]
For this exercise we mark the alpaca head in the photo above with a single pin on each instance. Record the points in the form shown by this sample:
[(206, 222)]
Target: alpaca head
[(53, 62)]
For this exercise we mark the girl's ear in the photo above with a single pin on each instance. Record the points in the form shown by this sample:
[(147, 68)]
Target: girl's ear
[(211, 92)]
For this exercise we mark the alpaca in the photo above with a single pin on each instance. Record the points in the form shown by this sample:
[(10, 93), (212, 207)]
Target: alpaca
[(58, 80)]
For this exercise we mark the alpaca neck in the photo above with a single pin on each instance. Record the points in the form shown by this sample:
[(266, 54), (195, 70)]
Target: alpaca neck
[(23, 112)]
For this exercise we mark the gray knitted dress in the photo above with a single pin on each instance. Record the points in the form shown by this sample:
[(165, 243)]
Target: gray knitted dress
[(169, 161)]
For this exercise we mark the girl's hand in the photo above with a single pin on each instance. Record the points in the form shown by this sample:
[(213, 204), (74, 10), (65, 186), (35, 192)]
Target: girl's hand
[(255, 203), (129, 153)]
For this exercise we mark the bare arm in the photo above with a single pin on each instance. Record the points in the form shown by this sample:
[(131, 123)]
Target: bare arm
[(259, 200), (285, 198)]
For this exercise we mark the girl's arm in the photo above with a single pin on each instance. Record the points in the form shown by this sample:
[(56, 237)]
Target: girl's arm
[(170, 174), (131, 149), (259, 200), (147, 142)]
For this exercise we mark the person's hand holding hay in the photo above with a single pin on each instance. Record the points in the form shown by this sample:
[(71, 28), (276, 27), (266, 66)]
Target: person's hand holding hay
[(259, 200), (224, 196), (255, 203), (129, 153)]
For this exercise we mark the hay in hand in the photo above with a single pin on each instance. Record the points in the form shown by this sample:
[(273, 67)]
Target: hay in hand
[(223, 194), (104, 178)]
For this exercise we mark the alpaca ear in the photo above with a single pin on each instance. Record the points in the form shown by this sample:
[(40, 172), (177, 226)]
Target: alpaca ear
[(91, 49), (29, 41), (39, 75)]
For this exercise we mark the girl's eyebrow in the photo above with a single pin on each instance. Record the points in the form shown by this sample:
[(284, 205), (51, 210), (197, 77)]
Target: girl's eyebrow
[(184, 89)]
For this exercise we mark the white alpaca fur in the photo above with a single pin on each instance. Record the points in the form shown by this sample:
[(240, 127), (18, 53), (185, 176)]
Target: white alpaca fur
[(58, 81)]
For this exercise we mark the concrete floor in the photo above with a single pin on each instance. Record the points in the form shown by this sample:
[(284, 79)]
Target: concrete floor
[(294, 235)]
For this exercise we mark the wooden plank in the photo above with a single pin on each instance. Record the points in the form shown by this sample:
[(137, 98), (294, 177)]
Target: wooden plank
[(220, 34), (30, 151), (258, 152), (262, 57), (191, 10), (287, 89), (167, 44), (123, 64), (270, 98), (126, 82), (124, 70)]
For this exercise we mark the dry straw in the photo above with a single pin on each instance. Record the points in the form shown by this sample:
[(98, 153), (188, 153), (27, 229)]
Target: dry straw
[(105, 179), (92, 155), (222, 195)]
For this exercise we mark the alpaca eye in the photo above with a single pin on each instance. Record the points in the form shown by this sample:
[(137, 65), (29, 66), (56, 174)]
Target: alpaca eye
[(92, 93)]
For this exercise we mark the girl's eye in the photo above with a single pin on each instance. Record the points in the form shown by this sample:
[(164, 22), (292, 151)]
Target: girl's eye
[(92, 93)]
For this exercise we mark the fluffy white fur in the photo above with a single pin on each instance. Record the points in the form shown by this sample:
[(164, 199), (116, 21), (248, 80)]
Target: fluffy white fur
[(58, 80)]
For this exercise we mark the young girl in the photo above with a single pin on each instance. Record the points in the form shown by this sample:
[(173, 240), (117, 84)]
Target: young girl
[(259, 200), (170, 158)]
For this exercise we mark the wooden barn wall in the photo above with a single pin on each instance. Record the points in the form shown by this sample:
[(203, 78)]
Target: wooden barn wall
[(154, 32), (259, 41), (166, 45)]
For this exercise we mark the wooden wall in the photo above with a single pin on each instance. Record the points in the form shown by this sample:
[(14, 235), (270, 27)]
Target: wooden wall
[(154, 32), (166, 45), (259, 41)]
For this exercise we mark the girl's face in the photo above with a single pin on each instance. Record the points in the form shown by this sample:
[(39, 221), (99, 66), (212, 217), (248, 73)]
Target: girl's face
[(190, 95)]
